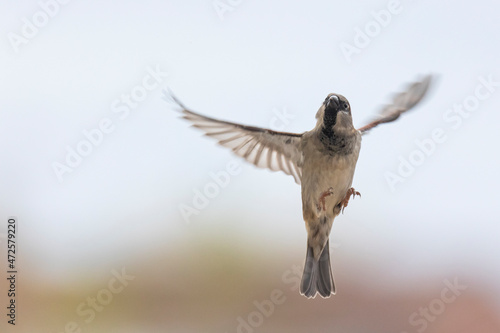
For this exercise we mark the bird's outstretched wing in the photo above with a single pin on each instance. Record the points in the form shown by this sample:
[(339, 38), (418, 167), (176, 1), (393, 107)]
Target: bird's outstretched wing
[(263, 147), (401, 103)]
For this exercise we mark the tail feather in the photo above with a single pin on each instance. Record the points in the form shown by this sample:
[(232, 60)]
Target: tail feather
[(317, 276), (308, 283), (324, 283)]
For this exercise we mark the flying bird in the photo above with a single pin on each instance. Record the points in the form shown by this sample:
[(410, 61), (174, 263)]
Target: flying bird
[(322, 161)]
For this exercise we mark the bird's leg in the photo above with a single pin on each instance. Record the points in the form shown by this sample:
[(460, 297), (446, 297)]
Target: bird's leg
[(322, 205), (345, 201)]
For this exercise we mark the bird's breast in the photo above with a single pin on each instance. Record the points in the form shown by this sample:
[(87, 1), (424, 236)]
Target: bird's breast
[(322, 171)]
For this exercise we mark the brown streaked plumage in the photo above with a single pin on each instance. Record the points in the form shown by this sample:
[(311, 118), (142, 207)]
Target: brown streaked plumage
[(322, 161)]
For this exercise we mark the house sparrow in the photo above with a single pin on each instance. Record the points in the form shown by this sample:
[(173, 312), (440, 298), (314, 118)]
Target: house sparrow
[(322, 160)]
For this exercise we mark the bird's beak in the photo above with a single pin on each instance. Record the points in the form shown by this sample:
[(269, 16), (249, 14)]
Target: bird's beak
[(333, 100)]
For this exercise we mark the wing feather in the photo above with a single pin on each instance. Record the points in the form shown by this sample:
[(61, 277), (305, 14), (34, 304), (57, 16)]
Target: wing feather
[(401, 103), (265, 148)]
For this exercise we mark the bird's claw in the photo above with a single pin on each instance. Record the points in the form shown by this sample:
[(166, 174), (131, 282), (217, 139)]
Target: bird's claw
[(322, 204), (345, 201)]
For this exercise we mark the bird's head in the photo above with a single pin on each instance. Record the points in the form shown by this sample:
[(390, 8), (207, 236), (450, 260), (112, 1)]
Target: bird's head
[(335, 112)]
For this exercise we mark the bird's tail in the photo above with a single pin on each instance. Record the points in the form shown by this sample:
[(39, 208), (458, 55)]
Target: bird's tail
[(317, 276)]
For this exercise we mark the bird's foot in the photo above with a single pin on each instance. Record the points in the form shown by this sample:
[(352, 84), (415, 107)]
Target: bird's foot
[(322, 205), (345, 201)]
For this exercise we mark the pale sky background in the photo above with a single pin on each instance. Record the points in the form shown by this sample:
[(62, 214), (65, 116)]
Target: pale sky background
[(264, 56)]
